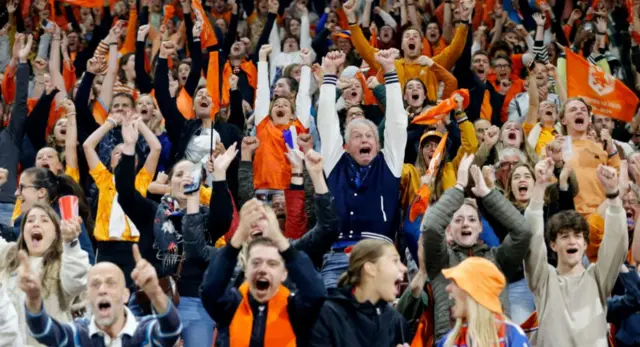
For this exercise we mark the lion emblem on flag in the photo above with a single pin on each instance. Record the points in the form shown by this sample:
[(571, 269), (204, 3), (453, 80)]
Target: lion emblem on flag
[(601, 82)]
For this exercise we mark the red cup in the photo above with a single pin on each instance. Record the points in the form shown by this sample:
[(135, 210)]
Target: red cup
[(68, 206)]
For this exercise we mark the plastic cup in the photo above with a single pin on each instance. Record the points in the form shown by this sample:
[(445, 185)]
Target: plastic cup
[(68, 207)]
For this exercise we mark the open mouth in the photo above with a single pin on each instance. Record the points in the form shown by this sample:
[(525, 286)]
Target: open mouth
[(397, 284), (412, 46), (204, 104), (572, 250), (262, 284), (354, 94), (279, 114), (63, 131), (46, 166), (36, 237), (415, 97), (580, 121), (480, 71), (365, 150), (549, 113), (512, 136), (144, 112), (104, 306), (523, 188), (466, 233)]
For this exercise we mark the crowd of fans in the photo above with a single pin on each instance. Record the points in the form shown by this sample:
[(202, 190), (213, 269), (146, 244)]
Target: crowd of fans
[(319, 173)]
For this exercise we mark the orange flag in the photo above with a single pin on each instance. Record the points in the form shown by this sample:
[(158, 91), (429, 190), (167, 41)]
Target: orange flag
[(169, 11), (86, 3), (421, 201), (213, 82), (436, 113), (208, 36), (607, 95)]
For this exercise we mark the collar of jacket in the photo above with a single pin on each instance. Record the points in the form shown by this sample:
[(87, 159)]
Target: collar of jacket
[(479, 247)]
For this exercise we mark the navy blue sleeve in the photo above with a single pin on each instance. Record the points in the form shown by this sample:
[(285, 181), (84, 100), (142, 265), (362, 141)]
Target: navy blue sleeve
[(86, 245), (306, 304), (621, 307), (48, 331), (164, 333), (219, 299)]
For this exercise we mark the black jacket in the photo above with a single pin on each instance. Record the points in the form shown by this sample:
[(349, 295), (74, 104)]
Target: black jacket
[(345, 322), (221, 300), (181, 130)]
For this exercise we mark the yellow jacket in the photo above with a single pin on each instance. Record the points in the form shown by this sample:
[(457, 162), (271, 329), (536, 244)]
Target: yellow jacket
[(410, 179), (406, 71)]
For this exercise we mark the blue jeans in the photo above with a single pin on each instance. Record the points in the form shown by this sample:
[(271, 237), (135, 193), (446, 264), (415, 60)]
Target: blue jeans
[(6, 211), (334, 264), (521, 303), (197, 326)]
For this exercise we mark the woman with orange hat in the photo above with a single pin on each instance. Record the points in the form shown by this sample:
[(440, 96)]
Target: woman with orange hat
[(477, 308), (451, 230)]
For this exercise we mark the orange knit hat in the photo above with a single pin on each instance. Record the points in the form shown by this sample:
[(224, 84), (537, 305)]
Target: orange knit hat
[(481, 279)]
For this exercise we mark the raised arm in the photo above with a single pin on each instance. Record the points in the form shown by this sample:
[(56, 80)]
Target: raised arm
[(263, 96), (303, 99), (54, 65), (71, 139), (89, 146), (317, 241), (106, 92), (174, 121), (614, 246), (396, 118), (534, 102), (196, 59), (143, 81), (536, 267), (328, 121), (19, 112)]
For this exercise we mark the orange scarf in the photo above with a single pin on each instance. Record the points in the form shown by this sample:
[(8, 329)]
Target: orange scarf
[(278, 330), (425, 334), (249, 69)]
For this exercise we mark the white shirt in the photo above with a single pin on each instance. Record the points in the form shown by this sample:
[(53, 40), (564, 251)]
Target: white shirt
[(129, 328)]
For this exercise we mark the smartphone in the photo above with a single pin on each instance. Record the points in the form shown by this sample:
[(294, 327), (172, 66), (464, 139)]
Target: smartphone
[(195, 184), (46, 24)]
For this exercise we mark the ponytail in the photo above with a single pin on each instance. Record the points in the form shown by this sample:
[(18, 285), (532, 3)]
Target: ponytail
[(365, 251)]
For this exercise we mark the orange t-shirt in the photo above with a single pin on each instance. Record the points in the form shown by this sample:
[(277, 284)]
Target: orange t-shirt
[(271, 169)]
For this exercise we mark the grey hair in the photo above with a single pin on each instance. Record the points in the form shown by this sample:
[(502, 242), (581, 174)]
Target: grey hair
[(509, 151), (360, 121)]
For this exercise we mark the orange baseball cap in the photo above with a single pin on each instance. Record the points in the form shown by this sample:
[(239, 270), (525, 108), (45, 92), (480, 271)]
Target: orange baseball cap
[(481, 279)]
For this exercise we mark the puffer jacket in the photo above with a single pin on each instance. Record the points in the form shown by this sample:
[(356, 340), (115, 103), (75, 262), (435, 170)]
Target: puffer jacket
[(344, 322), (438, 255)]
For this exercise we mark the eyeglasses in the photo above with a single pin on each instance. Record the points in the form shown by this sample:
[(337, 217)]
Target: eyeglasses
[(21, 187)]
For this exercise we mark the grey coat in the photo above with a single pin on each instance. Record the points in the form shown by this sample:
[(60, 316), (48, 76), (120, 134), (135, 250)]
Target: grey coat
[(438, 255)]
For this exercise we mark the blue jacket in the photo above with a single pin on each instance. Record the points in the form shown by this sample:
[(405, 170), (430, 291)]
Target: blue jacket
[(153, 331), (84, 239), (514, 337), (624, 310)]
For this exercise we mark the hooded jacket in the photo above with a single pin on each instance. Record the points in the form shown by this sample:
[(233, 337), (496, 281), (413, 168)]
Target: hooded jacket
[(343, 321)]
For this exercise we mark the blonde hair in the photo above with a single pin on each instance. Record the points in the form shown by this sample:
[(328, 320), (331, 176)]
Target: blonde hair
[(482, 330)]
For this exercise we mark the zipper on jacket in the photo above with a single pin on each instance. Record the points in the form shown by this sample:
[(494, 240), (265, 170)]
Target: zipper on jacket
[(260, 325), (378, 310), (384, 215)]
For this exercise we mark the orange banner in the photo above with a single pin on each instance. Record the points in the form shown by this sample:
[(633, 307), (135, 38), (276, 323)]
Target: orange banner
[(208, 36), (607, 95), (86, 3), (434, 114)]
